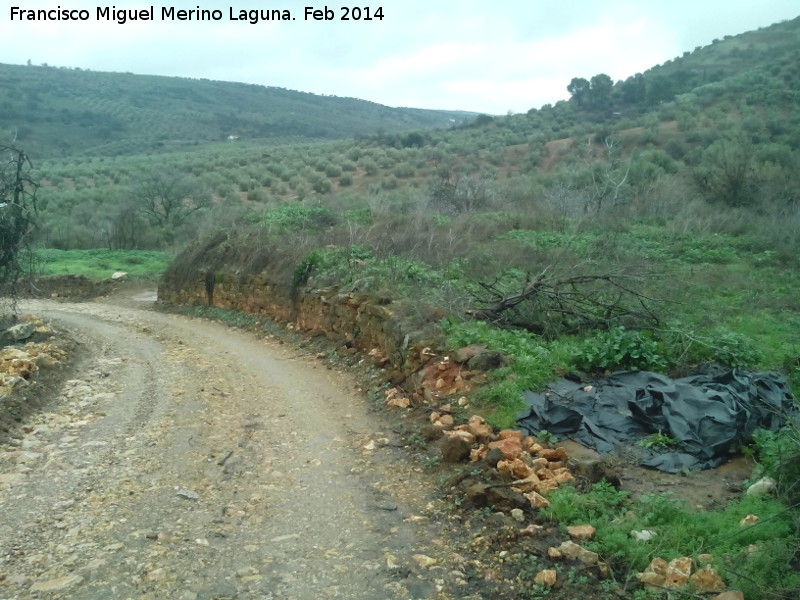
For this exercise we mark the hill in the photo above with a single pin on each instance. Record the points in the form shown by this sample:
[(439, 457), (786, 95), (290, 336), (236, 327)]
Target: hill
[(67, 112)]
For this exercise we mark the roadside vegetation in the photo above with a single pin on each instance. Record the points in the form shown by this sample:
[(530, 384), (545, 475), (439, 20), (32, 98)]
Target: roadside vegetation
[(651, 224)]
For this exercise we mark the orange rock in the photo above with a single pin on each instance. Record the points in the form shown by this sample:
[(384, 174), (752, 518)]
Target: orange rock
[(510, 447), (553, 454), (581, 532), (510, 433), (554, 554), (528, 443), (546, 577), (707, 580), (478, 427), (563, 476), (555, 466)]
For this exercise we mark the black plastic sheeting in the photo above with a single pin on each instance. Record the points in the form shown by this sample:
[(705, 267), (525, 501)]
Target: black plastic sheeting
[(710, 415)]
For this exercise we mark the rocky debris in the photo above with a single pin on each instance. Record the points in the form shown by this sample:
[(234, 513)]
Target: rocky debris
[(119, 276), (442, 378), (18, 365), (395, 397), (681, 572), (530, 468)]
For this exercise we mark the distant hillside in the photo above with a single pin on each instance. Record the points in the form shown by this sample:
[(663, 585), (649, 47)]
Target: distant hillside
[(60, 112), (746, 63)]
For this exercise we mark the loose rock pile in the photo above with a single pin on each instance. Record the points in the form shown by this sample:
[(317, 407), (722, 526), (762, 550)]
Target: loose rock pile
[(19, 364)]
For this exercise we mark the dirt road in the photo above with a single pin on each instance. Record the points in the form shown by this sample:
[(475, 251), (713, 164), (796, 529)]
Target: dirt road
[(190, 461)]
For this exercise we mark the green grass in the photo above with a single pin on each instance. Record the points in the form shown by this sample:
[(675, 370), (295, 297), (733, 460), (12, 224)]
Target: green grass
[(101, 263), (681, 531)]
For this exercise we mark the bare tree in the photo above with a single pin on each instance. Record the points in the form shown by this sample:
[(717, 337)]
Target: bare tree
[(17, 217), (608, 176)]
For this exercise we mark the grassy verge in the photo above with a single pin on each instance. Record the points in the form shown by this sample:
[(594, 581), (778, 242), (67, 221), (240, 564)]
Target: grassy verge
[(101, 263)]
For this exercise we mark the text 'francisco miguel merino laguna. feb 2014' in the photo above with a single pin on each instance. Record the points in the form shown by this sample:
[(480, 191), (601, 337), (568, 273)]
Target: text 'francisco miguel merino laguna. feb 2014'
[(170, 13)]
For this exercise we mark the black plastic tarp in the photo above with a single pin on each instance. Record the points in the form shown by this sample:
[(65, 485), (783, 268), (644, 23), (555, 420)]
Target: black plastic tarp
[(709, 415)]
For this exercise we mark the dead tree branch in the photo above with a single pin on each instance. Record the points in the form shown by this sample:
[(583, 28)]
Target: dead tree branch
[(552, 305)]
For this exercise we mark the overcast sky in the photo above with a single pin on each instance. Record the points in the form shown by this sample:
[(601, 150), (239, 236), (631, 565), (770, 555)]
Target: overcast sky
[(477, 55)]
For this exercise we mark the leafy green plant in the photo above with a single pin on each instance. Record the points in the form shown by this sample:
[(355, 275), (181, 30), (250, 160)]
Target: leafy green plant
[(657, 441), (619, 348)]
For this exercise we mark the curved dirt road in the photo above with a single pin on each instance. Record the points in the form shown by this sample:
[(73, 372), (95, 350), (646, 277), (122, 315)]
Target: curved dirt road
[(192, 461)]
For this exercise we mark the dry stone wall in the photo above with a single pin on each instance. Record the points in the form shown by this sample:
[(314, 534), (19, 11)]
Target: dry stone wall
[(351, 319)]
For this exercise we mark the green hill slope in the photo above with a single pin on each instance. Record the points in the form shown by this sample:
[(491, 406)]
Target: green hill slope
[(60, 112)]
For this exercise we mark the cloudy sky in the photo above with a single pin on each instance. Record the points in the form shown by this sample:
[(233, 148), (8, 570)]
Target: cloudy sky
[(478, 55)]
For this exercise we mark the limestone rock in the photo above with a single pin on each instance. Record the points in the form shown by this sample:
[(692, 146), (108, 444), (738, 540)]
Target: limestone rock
[(678, 572), (537, 500), (424, 561), (655, 573), (762, 487), (581, 532), (546, 577), (707, 580), (573, 550)]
